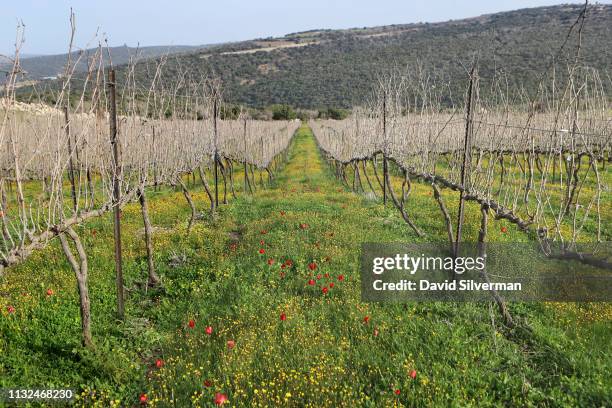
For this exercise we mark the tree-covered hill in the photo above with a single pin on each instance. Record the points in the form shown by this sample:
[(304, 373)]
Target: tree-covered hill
[(338, 68)]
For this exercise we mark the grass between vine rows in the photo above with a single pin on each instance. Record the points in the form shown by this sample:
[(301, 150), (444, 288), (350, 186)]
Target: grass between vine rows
[(277, 339)]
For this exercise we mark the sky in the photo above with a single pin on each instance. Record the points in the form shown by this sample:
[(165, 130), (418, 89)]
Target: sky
[(196, 22)]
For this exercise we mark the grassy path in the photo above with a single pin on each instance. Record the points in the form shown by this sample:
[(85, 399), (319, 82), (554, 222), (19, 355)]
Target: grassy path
[(272, 291), (331, 349)]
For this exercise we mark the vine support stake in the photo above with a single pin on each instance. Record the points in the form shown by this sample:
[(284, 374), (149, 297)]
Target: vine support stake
[(215, 108), (466, 157), (73, 193), (385, 167), (116, 193)]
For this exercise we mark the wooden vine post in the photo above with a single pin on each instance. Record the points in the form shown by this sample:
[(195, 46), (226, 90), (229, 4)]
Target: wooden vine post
[(73, 193), (467, 147), (385, 166), (246, 174), (116, 193), (215, 111)]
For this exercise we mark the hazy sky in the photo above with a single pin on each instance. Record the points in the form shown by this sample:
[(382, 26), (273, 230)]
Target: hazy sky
[(194, 22)]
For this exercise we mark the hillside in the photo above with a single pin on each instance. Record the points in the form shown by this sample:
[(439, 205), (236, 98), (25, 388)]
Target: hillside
[(320, 68), (49, 66)]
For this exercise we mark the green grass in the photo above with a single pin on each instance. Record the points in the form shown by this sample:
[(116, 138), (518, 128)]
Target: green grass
[(323, 354)]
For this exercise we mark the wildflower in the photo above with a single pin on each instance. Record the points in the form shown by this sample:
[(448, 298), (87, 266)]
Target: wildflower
[(207, 383), (220, 399), (413, 374), (49, 292), (159, 363), (319, 276), (325, 290), (262, 242), (262, 251), (327, 275), (191, 323), (340, 278), (10, 309), (397, 392), (282, 275), (282, 213), (303, 226), (263, 232), (504, 230), (283, 317), (376, 332), (231, 344), (143, 398), (312, 266), (208, 330), (331, 285), (311, 282), (270, 261), (366, 319)]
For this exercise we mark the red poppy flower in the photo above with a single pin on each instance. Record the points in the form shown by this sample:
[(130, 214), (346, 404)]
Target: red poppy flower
[(208, 330), (327, 275), (270, 261), (11, 309), (262, 251), (282, 275), (207, 383), (283, 266), (340, 278), (49, 292), (319, 276), (220, 399), (366, 319), (312, 266), (231, 344), (504, 229), (143, 398), (159, 363), (413, 374), (263, 232), (331, 285), (303, 226), (262, 243), (191, 323), (282, 213), (397, 392), (325, 290), (311, 282), (283, 317), (289, 262)]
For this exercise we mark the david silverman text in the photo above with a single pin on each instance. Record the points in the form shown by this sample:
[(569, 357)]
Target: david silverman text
[(462, 285)]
